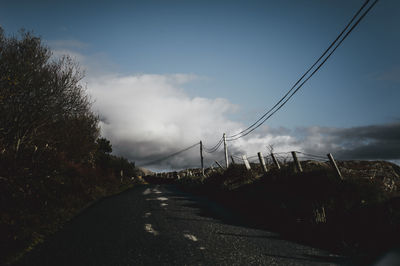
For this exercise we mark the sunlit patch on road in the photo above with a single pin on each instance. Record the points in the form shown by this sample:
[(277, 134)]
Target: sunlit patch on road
[(191, 237), (162, 198), (147, 214), (156, 191), (147, 191), (163, 204), (202, 248), (149, 228), (159, 198)]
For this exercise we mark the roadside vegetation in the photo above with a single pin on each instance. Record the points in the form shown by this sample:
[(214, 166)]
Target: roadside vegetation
[(358, 216), (53, 162)]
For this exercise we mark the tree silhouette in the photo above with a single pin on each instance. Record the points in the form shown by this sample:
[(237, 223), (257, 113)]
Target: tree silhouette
[(42, 101)]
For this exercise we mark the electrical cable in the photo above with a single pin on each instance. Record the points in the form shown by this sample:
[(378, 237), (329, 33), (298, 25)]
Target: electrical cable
[(252, 128), (289, 94), (171, 155), (214, 148), (366, 2)]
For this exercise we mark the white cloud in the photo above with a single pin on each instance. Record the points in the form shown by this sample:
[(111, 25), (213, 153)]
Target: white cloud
[(149, 116)]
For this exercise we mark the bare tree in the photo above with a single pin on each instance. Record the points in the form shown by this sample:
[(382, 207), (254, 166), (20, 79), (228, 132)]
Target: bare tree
[(42, 102)]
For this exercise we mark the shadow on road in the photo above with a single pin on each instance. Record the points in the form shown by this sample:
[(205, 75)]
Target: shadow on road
[(217, 212), (227, 214)]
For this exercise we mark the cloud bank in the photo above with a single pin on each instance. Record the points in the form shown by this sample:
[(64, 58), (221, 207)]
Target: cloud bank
[(149, 116)]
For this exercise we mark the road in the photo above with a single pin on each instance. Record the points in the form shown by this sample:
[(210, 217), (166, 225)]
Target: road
[(161, 225)]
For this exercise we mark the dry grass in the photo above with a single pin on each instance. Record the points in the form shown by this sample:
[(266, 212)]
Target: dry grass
[(358, 215)]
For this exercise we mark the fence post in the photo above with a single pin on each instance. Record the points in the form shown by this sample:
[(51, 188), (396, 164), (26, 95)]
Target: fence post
[(275, 160), (219, 165), (333, 162), (226, 152), (201, 157), (262, 162), (233, 161), (246, 162), (296, 162)]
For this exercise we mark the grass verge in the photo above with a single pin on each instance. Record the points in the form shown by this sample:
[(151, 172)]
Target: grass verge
[(358, 216), (33, 208)]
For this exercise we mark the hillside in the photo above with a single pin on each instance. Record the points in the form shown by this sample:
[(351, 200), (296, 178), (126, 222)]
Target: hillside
[(358, 216)]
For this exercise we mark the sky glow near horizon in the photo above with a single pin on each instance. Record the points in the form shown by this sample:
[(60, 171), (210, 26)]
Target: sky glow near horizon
[(166, 74)]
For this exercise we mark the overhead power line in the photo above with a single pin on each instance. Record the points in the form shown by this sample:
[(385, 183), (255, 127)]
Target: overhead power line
[(171, 155), (215, 147), (292, 91)]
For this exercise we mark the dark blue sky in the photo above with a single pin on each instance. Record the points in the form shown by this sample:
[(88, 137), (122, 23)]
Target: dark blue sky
[(249, 52)]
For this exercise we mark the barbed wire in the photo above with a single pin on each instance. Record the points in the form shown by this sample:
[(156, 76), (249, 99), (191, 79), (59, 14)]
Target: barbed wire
[(237, 157), (311, 155)]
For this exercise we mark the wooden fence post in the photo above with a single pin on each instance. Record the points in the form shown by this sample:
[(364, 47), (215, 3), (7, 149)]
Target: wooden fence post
[(226, 152), (275, 160), (233, 161), (296, 162), (262, 162), (334, 165), (246, 162), (219, 165)]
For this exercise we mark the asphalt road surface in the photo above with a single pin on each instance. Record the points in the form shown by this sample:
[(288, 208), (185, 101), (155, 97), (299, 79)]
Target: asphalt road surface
[(161, 225)]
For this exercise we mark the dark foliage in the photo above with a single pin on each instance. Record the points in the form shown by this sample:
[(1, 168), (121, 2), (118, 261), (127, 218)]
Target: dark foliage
[(104, 146), (52, 163), (42, 101)]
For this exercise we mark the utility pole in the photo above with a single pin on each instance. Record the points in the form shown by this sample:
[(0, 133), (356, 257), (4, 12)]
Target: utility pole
[(226, 152), (201, 157)]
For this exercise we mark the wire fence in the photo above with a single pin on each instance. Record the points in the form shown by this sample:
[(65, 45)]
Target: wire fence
[(283, 157), (299, 161)]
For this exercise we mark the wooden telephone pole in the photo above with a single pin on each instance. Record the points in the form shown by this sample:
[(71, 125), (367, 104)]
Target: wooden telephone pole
[(226, 152), (201, 157)]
